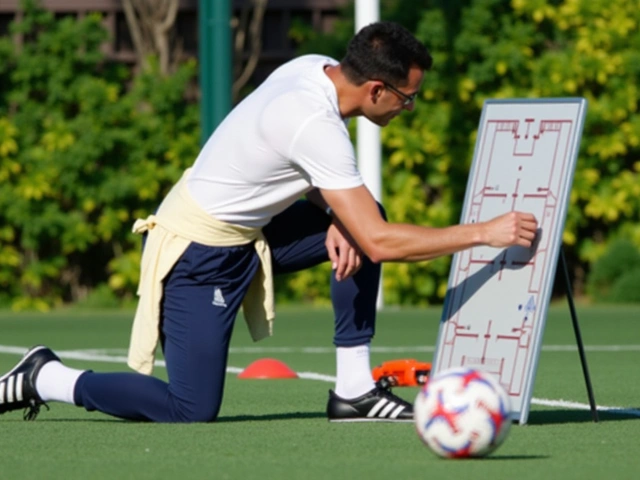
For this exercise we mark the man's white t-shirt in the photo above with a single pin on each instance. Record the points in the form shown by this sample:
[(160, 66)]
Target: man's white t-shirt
[(284, 139)]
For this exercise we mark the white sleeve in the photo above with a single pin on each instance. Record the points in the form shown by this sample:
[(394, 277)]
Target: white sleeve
[(322, 148)]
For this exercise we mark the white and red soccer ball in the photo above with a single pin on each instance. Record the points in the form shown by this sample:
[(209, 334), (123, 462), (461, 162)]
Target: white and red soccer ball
[(462, 412)]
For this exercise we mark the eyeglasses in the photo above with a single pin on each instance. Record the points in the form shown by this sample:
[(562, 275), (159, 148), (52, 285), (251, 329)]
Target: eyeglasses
[(408, 99)]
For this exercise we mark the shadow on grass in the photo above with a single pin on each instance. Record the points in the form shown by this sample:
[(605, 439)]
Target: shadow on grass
[(225, 419), (272, 416), (512, 457), (547, 417), (67, 420)]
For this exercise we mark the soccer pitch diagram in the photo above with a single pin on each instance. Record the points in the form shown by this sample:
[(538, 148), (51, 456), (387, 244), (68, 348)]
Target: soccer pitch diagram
[(497, 299)]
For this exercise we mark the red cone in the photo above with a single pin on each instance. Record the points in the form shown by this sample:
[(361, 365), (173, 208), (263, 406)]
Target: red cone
[(267, 368)]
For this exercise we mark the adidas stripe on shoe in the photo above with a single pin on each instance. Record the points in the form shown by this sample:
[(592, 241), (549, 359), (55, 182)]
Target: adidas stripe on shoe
[(18, 387), (377, 405)]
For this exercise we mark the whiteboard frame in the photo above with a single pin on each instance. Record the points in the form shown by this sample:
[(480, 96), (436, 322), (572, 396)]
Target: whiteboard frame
[(555, 243)]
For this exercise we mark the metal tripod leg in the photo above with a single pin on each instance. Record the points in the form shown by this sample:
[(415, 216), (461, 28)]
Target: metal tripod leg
[(576, 329)]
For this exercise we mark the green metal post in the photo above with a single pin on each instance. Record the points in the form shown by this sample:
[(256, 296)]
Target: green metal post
[(214, 20)]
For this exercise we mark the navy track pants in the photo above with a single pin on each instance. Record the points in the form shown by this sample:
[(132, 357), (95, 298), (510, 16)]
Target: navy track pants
[(201, 299)]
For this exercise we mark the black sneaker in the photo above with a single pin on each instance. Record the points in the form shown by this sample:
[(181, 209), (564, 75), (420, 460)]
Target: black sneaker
[(18, 387), (378, 405)]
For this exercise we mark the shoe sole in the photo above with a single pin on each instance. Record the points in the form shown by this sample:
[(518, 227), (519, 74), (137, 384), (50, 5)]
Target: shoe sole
[(26, 357), (369, 420)]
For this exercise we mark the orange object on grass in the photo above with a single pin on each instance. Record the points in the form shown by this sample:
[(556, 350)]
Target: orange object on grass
[(402, 373), (266, 368)]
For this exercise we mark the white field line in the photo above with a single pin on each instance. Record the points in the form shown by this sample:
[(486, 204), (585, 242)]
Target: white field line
[(103, 356), (374, 349)]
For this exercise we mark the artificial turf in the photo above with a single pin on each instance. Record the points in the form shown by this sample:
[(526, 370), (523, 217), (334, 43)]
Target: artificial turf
[(277, 429)]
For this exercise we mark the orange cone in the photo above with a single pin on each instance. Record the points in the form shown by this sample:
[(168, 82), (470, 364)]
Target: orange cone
[(267, 368)]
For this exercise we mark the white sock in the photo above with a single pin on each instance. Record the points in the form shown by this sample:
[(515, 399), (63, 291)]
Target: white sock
[(353, 371), (56, 382)]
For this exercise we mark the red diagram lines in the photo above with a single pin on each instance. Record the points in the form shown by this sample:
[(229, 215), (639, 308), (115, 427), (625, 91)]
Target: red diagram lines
[(491, 308)]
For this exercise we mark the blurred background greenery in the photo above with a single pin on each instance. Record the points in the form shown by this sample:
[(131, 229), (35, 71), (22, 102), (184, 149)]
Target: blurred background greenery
[(88, 144)]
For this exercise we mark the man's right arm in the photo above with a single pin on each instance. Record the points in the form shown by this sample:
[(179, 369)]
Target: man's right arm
[(381, 241)]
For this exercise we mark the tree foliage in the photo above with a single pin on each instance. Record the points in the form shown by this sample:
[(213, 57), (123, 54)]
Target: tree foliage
[(85, 148), (81, 156), (614, 274)]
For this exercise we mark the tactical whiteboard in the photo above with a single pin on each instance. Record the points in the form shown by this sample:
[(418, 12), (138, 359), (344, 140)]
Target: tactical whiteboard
[(497, 299)]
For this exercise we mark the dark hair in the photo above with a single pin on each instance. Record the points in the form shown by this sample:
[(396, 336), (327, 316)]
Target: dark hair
[(383, 51)]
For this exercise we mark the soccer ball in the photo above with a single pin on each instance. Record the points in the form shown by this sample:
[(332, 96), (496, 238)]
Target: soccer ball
[(462, 412)]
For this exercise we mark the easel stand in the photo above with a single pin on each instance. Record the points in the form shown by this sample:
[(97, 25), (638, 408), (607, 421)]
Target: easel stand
[(576, 329)]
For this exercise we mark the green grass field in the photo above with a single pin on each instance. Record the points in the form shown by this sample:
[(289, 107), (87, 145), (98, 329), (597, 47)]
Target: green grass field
[(277, 429)]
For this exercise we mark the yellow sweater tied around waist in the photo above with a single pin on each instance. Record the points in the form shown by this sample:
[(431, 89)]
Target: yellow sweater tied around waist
[(178, 222)]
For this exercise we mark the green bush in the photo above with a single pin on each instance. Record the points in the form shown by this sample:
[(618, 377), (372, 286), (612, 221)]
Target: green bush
[(85, 149), (611, 276), (627, 288), (100, 297)]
